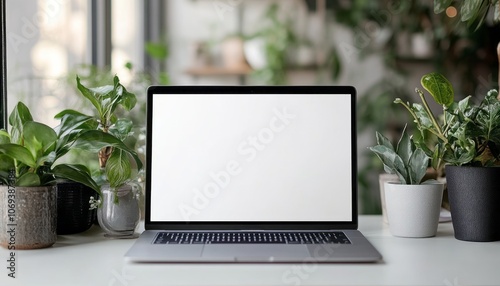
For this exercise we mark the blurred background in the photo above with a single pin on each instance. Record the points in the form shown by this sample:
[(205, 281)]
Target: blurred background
[(380, 47)]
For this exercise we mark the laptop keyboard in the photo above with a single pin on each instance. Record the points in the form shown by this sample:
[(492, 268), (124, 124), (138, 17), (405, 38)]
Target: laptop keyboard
[(182, 237)]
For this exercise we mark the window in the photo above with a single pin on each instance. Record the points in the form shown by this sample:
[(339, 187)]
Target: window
[(47, 42)]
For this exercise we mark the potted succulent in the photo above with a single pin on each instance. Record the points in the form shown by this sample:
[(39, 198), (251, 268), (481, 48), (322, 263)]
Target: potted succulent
[(28, 177), (110, 138), (413, 206), (467, 150)]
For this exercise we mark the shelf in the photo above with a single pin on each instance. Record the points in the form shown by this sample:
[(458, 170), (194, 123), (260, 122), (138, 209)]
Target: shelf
[(412, 59)]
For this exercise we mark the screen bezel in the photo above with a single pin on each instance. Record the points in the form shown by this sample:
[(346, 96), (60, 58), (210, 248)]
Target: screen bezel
[(224, 225)]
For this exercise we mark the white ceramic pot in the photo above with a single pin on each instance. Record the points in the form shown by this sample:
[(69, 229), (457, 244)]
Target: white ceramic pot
[(382, 179), (413, 210), (255, 53)]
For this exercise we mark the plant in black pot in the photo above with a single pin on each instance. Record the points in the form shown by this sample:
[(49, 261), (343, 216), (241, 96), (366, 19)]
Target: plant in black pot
[(467, 149), (110, 138), (28, 174)]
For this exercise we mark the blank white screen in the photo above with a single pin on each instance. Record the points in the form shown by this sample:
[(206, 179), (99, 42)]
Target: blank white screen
[(251, 158)]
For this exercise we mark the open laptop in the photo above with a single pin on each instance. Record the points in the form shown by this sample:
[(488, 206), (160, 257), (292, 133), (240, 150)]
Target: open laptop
[(251, 174)]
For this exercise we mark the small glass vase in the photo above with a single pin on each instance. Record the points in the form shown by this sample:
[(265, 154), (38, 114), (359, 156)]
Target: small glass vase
[(119, 213)]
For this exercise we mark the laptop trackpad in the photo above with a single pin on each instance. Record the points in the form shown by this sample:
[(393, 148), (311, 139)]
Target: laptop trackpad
[(261, 252)]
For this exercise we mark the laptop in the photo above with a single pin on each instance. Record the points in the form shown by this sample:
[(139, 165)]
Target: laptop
[(251, 174)]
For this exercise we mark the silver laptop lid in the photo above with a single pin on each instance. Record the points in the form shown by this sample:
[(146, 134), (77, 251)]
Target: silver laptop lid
[(243, 157)]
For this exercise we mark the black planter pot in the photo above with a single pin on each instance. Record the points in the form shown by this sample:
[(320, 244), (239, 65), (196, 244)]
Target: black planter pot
[(474, 195), (73, 213)]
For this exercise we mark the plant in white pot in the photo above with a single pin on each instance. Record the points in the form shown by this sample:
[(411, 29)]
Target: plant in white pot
[(467, 150), (28, 176), (111, 138), (413, 206)]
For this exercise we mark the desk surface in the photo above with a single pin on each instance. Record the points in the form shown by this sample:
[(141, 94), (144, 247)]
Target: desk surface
[(91, 259)]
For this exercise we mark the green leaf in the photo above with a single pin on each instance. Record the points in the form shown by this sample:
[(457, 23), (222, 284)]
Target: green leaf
[(18, 153), (129, 65), (28, 180), (496, 17), (128, 100), (335, 64), (425, 120), (441, 5), (39, 138), (404, 148), (163, 78), (122, 128), (75, 173), (418, 166), (470, 9), (19, 116), (463, 104), (157, 51), (118, 169), (436, 156), (95, 140), (6, 163), (382, 140), (392, 162), (4, 137), (461, 154), (439, 87), (72, 123), (90, 95)]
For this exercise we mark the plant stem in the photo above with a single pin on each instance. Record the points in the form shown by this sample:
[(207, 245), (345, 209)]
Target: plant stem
[(498, 52), (409, 110), (104, 155), (431, 115)]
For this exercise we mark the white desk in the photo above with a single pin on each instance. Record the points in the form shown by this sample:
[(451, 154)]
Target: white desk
[(90, 259)]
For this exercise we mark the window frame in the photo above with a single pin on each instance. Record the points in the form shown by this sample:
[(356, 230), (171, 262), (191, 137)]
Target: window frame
[(3, 67), (100, 45)]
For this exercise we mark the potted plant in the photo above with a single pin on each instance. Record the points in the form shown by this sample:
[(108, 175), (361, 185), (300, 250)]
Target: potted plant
[(110, 138), (266, 50), (466, 149), (413, 206), (28, 177)]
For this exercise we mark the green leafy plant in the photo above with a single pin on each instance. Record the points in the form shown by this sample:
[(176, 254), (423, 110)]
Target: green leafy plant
[(104, 133), (471, 12), (29, 152), (465, 134), (158, 51), (407, 161)]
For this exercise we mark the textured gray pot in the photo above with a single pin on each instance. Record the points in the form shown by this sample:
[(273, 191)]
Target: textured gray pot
[(474, 195), (28, 217)]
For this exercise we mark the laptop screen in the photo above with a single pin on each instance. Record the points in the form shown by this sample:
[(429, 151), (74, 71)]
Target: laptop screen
[(250, 156)]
